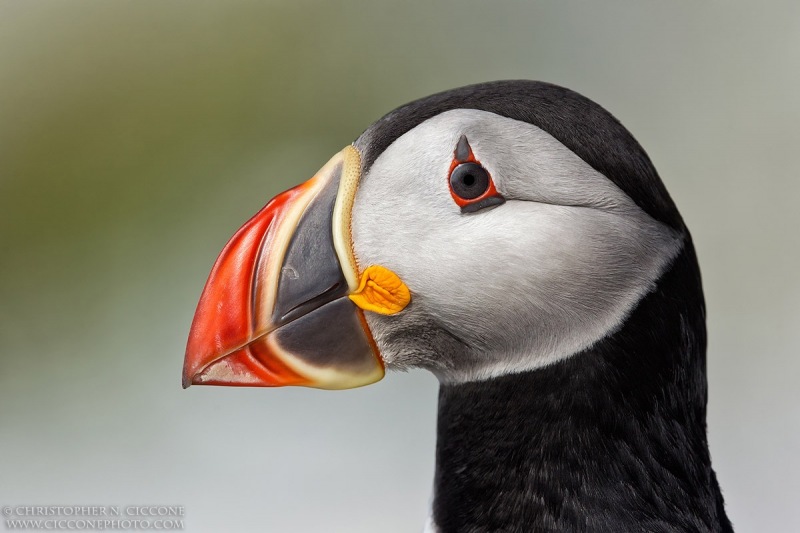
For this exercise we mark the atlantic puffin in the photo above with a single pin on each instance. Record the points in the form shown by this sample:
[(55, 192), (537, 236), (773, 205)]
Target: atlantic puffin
[(514, 239)]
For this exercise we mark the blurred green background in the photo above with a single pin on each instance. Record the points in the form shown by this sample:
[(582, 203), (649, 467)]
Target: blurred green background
[(137, 135)]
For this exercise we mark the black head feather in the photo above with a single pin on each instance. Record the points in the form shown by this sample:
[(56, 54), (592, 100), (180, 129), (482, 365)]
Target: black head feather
[(581, 125)]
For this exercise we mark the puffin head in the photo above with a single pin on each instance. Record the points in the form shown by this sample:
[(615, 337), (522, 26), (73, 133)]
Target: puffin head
[(487, 230)]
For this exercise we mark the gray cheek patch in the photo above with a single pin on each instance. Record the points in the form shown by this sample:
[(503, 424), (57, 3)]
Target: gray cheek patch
[(556, 268), (331, 334), (311, 274)]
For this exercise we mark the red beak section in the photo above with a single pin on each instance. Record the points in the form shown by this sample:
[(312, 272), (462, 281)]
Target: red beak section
[(274, 310), (225, 323)]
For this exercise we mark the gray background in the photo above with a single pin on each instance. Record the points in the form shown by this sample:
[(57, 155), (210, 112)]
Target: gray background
[(136, 136)]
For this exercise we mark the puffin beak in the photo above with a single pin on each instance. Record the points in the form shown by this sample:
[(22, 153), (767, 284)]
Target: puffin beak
[(284, 304)]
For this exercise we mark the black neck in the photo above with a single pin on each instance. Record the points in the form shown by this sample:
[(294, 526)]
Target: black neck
[(612, 439)]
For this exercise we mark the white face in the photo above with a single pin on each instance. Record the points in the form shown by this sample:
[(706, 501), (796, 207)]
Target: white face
[(510, 288)]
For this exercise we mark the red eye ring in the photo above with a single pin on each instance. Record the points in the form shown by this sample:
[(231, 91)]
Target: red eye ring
[(471, 185)]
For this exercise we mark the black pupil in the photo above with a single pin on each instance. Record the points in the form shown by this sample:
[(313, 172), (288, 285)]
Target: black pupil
[(469, 181)]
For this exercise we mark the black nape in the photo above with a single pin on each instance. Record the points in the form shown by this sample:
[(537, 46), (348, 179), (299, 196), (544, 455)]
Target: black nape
[(612, 439)]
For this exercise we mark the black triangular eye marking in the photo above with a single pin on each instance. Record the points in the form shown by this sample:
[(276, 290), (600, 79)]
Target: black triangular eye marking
[(463, 150)]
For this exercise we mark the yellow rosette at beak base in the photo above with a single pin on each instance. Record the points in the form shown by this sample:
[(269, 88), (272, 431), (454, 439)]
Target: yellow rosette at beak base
[(381, 291)]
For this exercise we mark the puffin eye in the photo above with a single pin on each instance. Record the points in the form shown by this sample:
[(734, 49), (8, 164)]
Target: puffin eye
[(469, 181), (471, 185)]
